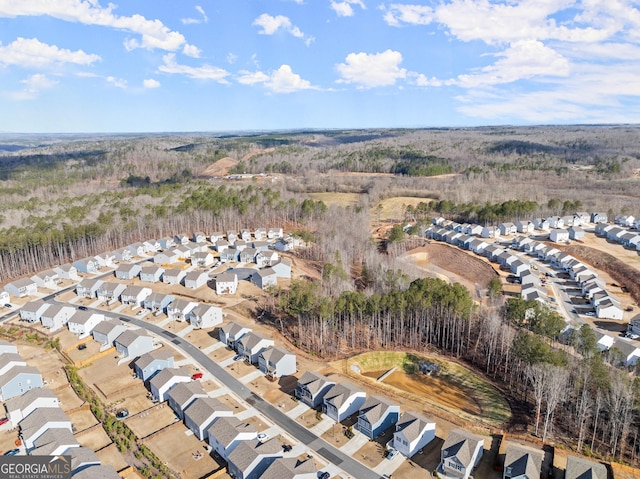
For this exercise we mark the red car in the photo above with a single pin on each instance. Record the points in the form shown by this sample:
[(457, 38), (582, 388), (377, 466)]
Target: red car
[(4, 420), (197, 376)]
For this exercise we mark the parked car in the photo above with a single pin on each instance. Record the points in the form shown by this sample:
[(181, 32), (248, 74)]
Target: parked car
[(82, 308), (263, 436), (122, 413), (237, 357), (82, 346), (197, 375), (324, 475), (392, 453), (591, 314), (12, 452), (7, 305), (4, 420)]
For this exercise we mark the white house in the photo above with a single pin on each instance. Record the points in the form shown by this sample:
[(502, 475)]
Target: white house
[(412, 433), (33, 310), (507, 229), (182, 394), (9, 360), (522, 462), (629, 353), (609, 309), (225, 433), (250, 346), (460, 453), (106, 332), (576, 233), (86, 265), (88, 287), (151, 246), (525, 227), (282, 268), (21, 287), (83, 322), (196, 279), (46, 279), (201, 413), (67, 271), (164, 380), (559, 236), (202, 259), (264, 278), (342, 400), (133, 343), (174, 276), (166, 242), (127, 272), (136, 249), (541, 224), (604, 342), (166, 257), (39, 421), (135, 295), (110, 292), (103, 260), (158, 303), (56, 316), (250, 459), (232, 332), (151, 273), (556, 222), (490, 232), (179, 309), (121, 255), (226, 283), (21, 406), (205, 316), (275, 362)]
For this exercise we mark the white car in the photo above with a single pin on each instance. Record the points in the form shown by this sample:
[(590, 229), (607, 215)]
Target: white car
[(392, 453), (263, 436), (591, 314)]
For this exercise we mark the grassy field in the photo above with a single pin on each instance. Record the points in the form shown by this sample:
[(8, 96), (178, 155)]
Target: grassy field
[(339, 199), (393, 208), (454, 389)]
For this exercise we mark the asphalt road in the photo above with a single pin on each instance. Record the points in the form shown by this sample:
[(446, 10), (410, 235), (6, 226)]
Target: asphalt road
[(301, 433)]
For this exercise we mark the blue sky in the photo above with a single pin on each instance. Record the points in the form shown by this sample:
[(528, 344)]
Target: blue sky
[(219, 65)]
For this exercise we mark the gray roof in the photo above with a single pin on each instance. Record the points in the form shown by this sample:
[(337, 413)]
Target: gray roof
[(521, 461), (82, 455), (157, 297), (288, 468), (15, 371), (274, 354), (313, 381), (52, 439), (127, 268), (232, 328), (53, 310), (22, 401), (103, 471), (106, 326), (7, 358), (339, 393), (579, 468), (128, 337), (251, 340), (167, 374), (227, 277), (81, 317), (40, 417), (182, 304), (194, 275), (374, 408), (157, 354), (22, 282), (247, 451), (226, 429), (150, 269), (34, 306), (132, 290), (182, 392), (460, 444), (625, 347), (412, 425), (264, 272), (173, 271), (203, 408)]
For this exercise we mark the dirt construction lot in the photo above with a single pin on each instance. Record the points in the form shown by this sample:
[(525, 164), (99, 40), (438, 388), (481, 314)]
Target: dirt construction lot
[(147, 422)]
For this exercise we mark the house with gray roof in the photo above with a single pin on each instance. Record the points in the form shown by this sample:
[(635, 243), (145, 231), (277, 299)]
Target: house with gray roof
[(250, 459), (21, 287), (342, 400), (196, 279), (174, 276), (225, 433), (88, 288), (33, 310), (232, 332), (282, 268), (7, 347), (67, 271), (377, 415), (202, 259), (134, 296), (205, 316), (136, 249), (167, 257), (226, 283), (264, 278), (46, 279), (40, 421), (151, 273), (251, 345), (260, 234), (83, 322), (201, 413), (148, 364), (86, 265), (127, 272), (18, 380), (104, 260), (580, 468), (290, 468), (312, 387), (180, 308), (522, 463), (54, 442), (122, 254), (82, 458), (460, 453), (164, 380), (110, 292), (9, 360), (230, 255), (182, 394), (413, 432), (19, 407), (276, 362), (628, 353), (56, 316), (133, 343), (106, 332), (102, 471), (266, 258), (158, 302)]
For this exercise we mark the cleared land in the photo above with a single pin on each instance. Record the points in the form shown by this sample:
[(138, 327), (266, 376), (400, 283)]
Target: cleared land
[(339, 199), (394, 208)]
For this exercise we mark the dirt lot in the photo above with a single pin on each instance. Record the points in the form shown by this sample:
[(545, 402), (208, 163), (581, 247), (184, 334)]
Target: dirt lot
[(111, 455), (394, 208), (308, 418), (82, 418), (231, 403), (151, 420), (67, 397), (176, 448), (95, 438), (372, 453)]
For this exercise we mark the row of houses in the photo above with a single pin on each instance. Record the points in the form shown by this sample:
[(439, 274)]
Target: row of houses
[(619, 234), (44, 428)]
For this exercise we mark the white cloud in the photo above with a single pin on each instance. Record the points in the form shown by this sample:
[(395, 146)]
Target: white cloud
[(32, 53), (344, 8), (270, 25), (372, 70), (231, 58), (190, 21), (191, 51), (282, 80), (204, 72), (153, 33), (151, 83), (116, 82), (411, 14)]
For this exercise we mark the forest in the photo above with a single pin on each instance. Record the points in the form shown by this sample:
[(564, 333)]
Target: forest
[(62, 199)]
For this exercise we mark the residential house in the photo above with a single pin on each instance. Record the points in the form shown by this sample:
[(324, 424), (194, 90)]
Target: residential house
[(158, 303), (342, 400), (260, 234), (580, 468), (615, 233), (225, 433), (275, 362), (40, 421), (474, 229), (134, 296), (226, 283), (83, 322), (533, 293), (221, 245), (290, 468), (522, 463), (569, 220), (18, 380), (250, 346), (164, 380), (168, 256), (183, 252), (216, 236), (245, 235), (21, 406), (541, 224), (46, 279), (602, 229), (460, 453), (88, 288), (230, 255), (196, 279), (576, 233), (519, 242), (56, 316), (136, 249), (180, 239), (312, 387), (102, 471), (518, 267), (127, 272), (625, 220), (54, 442), (133, 343), (631, 240), (104, 260), (110, 292), (581, 218), (121, 255), (199, 237), (248, 255), (151, 246), (529, 278), (507, 229), (477, 245), (202, 259), (205, 316), (67, 271), (556, 222), (174, 276), (604, 342), (634, 326), (413, 432), (275, 233), (21, 287), (282, 268), (490, 232), (179, 309), (33, 310), (166, 243), (201, 413), (599, 218), (148, 364), (82, 458), (250, 459), (7, 347), (10, 360), (627, 352), (264, 278), (376, 416), (260, 246), (240, 245), (86, 265), (106, 332), (559, 236), (524, 226), (151, 274), (232, 236), (4, 297), (182, 394), (609, 309), (232, 332), (283, 244)]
